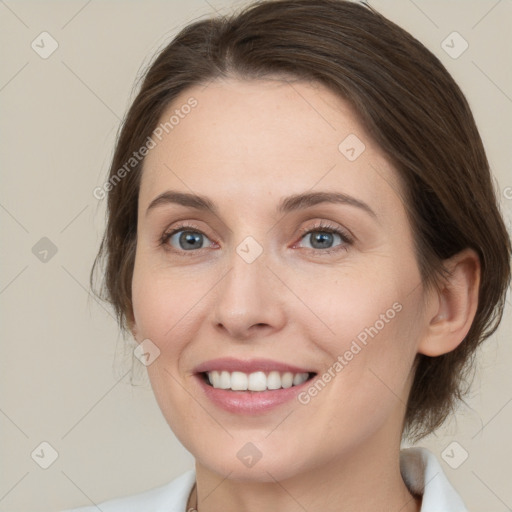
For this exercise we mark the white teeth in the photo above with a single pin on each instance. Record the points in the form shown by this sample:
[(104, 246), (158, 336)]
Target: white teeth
[(274, 380), (287, 380), (299, 379), (239, 381), (257, 381), (225, 380)]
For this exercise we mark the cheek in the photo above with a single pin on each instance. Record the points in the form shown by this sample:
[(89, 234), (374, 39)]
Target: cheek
[(164, 312), (160, 305), (350, 306), (368, 325)]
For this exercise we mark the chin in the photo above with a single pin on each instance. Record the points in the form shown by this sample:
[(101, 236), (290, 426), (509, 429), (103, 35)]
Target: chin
[(253, 462)]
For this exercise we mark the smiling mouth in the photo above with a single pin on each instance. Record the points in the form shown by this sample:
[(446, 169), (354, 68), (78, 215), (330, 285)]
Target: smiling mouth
[(256, 381)]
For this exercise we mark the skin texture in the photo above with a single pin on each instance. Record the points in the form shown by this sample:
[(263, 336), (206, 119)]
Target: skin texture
[(245, 146)]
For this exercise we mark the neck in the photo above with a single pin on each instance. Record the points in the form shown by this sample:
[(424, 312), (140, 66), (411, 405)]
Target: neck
[(365, 480)]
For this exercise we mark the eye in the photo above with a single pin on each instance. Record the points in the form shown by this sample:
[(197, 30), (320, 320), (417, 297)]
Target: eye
[(323, 236), (184, 238)]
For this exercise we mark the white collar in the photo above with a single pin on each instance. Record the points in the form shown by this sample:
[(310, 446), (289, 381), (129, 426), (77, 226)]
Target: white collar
[(423, 475)]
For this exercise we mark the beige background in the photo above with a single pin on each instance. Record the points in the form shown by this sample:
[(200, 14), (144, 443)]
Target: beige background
[(65, 374)]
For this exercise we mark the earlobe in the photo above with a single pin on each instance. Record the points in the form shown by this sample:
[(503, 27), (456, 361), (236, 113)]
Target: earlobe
[(456, 305)]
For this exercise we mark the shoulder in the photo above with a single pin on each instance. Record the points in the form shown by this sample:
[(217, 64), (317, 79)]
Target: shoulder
[(423, 475), (171, 497)]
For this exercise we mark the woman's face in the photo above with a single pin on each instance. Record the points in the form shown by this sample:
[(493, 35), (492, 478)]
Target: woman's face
[(330, 287)]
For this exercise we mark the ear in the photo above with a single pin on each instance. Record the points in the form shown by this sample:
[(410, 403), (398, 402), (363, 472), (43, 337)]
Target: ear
[(454, 305)]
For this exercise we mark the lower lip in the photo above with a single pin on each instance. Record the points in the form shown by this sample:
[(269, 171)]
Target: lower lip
[(249, 402)]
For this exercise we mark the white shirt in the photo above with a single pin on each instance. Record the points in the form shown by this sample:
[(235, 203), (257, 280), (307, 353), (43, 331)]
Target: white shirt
[(420, 470)]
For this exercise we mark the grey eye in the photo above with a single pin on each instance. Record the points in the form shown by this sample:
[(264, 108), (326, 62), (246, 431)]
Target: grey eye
[(188, 240), (321, 239)]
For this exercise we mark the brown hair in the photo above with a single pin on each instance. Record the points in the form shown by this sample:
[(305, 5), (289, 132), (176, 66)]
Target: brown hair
[(410, 106)]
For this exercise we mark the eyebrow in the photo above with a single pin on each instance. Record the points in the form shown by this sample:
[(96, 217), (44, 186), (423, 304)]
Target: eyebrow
[(288, 204)]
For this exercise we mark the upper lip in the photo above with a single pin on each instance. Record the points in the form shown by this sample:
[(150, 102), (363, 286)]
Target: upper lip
[(231, 364)]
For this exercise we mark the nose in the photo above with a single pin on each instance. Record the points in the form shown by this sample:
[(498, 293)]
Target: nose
[(249, 300)]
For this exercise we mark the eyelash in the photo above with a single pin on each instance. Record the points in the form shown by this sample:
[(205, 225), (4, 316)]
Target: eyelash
[(321, 226)]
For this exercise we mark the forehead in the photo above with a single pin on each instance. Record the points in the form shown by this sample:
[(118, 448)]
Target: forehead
[(251, 140)]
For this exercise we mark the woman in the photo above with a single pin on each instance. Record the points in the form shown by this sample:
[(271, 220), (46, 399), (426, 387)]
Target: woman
[(304, 240)]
